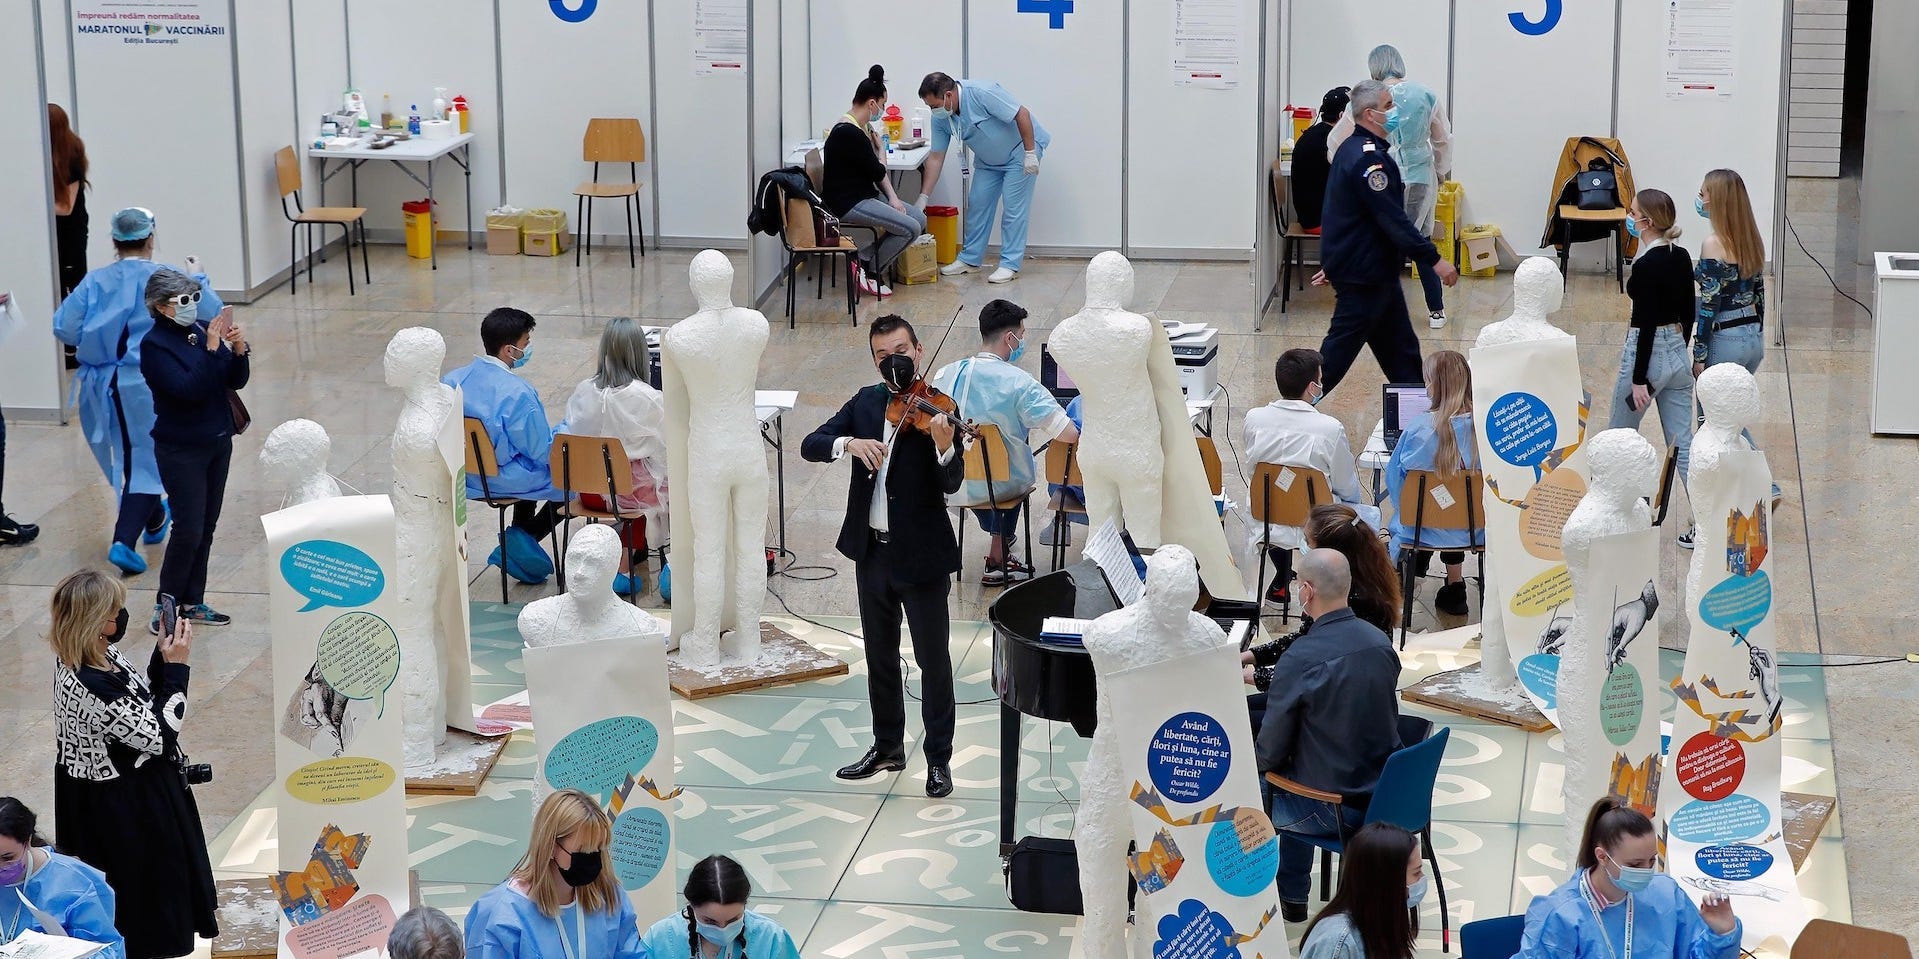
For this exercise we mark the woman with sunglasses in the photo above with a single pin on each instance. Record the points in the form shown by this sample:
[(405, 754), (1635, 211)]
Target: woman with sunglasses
[(191, 367)]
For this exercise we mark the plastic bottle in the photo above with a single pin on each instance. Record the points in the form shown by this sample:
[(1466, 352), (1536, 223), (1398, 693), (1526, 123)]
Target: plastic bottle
[(413, 120), (386, 111), (886, 141), (439, 103)]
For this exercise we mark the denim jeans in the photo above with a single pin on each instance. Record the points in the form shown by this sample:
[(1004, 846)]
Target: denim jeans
[(897, 230), (1298, 816), (1746, 346), (1422, 201), (1669, 377)]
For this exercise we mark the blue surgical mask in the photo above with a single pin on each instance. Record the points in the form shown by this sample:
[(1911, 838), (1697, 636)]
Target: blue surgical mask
[(941, 113), (1019, 350), (1392, 119), (1416, 893), (1632, 227), (526, 353), (1699, 205), (721, 935), (1319, 393), (1633, 879)]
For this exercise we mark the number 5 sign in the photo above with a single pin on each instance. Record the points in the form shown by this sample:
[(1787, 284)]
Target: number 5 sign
[(1541, 26)]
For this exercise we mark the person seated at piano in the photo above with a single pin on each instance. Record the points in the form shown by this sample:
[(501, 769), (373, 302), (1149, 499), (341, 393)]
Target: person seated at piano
[(902, 547), (989, 388), (1290, 432), (1332, 719)]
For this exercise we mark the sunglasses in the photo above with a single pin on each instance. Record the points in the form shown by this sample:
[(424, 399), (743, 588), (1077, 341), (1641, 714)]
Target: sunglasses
[(185, 300)]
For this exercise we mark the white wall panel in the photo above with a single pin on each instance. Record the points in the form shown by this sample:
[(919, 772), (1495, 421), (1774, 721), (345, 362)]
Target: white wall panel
[(267, 123), (699, 150), (909, 39), (1329, 42), (764, 72), (1070, 79), (29, 361)]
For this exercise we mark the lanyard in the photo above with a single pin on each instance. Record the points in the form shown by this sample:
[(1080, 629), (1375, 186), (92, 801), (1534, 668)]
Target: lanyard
[(579, 922), (48, 924), (1592, 903)]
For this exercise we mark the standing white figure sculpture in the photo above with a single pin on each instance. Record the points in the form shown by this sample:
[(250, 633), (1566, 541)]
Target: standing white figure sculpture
[(1622, 466), (1538, 292), (718, 512), (423, 526), (1160, 627), (589, 610), (1730, 397), (294, 457), (1137, 452)]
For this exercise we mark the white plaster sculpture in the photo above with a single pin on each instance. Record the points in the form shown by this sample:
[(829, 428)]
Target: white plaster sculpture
[(423, 526), (1622, 467), (1137, 452), (1538, 291), (718, 510), (1730, 397), (294, 458), (589, 610), (1160, 627)]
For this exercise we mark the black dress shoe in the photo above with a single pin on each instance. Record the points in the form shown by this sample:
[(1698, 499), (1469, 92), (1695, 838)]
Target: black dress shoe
[(939, 781), (872, 764), (1292, 911)]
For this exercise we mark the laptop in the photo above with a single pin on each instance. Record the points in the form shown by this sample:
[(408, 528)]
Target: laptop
[(1401, 403)]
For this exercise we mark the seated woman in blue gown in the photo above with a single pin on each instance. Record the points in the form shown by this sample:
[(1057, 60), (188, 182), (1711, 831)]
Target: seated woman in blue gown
[(561, 901), (716, 924), (43, 891)]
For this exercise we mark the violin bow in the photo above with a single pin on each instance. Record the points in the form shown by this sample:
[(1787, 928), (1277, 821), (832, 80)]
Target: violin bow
[(942, 344)]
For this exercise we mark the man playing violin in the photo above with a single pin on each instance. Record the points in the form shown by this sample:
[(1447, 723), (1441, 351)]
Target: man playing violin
[(991, 389), (901, 544)]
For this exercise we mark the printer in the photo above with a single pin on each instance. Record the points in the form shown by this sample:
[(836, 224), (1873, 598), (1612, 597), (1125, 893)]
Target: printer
[(1197, 356)]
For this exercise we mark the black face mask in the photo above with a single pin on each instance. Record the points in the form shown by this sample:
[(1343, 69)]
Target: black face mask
[(119, 627), (586, 868), (898, 371)]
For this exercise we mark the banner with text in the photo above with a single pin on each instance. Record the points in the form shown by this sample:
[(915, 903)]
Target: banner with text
[(453, 614), (1206, 852), (1529, 416), (1620, 611), (1720, 803), (337, 764), (603, 724)]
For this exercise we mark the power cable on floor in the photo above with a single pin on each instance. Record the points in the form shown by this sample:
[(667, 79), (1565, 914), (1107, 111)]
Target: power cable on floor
[(1822, 268)]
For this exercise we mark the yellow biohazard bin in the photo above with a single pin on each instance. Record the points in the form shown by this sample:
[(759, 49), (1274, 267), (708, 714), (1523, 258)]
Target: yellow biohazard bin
[(944, 223), (419, 228)]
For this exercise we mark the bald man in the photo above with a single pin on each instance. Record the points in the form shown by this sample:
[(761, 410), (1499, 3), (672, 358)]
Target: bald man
[(1332, 718)]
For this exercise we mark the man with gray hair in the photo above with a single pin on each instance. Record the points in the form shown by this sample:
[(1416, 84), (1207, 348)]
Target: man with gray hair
[(1365, 237), (1332, 718), (424, 932)]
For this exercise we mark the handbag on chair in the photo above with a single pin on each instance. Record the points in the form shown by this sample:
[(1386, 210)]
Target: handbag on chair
[(1598, 186)]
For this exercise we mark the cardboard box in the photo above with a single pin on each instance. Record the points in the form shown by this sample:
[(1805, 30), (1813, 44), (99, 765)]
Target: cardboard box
[(548, 243), (503, 241), (919, 263), (1482, 250)]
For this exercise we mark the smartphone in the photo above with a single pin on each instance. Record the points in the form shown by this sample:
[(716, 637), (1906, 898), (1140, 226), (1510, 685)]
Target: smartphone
[(169, 614)]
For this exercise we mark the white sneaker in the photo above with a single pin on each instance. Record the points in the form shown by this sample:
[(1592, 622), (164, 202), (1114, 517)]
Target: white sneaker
[(1003, 275), (1436, 320), (957, 267)]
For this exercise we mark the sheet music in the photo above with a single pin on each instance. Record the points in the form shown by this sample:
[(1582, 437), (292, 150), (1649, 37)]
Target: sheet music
[(1106, 548)]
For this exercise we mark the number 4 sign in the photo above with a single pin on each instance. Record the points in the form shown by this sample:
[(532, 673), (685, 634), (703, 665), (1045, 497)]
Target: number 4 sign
[(1055, 10)]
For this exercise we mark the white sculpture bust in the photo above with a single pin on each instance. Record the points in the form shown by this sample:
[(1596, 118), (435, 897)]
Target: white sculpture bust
[(1105, 349), (1623, 469), (718, 507), (294, 458), (423, 527), (589, 610), (1730, 397), (1160, 627)]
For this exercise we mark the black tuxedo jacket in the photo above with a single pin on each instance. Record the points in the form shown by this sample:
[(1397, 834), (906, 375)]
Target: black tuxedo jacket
[(916, 488)]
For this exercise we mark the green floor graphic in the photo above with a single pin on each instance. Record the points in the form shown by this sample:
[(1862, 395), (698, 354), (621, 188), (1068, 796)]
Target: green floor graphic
[(877, 868)]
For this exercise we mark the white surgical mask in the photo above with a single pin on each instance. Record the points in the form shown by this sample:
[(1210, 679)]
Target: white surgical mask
[(1416, 893)]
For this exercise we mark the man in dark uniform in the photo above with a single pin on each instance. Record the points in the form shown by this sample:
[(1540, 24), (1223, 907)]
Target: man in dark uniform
[(1365, 239), (904, 555)]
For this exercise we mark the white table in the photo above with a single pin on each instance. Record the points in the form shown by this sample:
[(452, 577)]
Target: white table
[(898, 162), (416, 150), (1202, 410), (1375, 456), (771, 405)]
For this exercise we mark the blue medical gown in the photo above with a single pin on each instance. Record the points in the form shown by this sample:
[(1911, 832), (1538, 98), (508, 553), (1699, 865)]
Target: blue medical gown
[(991, 390), (1417, 450), (109, 305), (505, 924), (75, 894), (1666, 925), (765, 939), (515, 422)]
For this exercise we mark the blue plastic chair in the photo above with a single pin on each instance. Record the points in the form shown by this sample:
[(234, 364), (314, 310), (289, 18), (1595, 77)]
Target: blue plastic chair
[(1492, 938), (1404, 798)]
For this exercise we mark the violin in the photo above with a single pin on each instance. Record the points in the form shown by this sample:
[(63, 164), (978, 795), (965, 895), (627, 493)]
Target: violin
[(917, 405)]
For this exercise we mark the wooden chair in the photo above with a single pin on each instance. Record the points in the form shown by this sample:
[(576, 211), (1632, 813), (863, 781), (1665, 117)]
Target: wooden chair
[(1428, 503), (1062, 469), (988, 460), (1283, 495), (1292, 242), (1615, 222), (286, 166), (1662, 497), (610, 140), (815, 162), (596, 465), (1825, 939), (481, 462), (796, 235)]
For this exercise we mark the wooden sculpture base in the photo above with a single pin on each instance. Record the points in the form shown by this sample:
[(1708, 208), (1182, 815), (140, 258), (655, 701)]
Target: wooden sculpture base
[(785, 659)]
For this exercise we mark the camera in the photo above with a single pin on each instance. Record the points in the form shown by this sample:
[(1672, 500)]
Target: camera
[(197, 774)]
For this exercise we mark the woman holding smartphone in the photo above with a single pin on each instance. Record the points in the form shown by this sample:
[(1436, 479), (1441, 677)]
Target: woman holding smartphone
[(190, 366), (1654, 365)]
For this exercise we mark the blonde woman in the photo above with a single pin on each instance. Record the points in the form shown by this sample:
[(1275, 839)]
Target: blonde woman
[(1729, 326), (120, 797), (561, 901), (1442, 441)]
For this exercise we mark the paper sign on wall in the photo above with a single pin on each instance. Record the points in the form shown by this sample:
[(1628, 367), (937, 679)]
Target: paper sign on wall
[(1206, 850), (337, 757), (1699, 48), (603, 724), (719, 37), (1720, 803), (1206, 43), (1529, 416)]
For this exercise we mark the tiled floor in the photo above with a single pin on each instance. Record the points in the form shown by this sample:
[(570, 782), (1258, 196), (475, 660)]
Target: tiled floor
[(1843, 539)]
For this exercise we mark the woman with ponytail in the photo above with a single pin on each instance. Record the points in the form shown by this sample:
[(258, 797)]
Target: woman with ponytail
[(856, 189), (1618, 905), (716, 924)]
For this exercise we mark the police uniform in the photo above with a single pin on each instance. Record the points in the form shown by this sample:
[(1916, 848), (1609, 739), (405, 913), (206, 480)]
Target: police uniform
[(1365, 238)]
